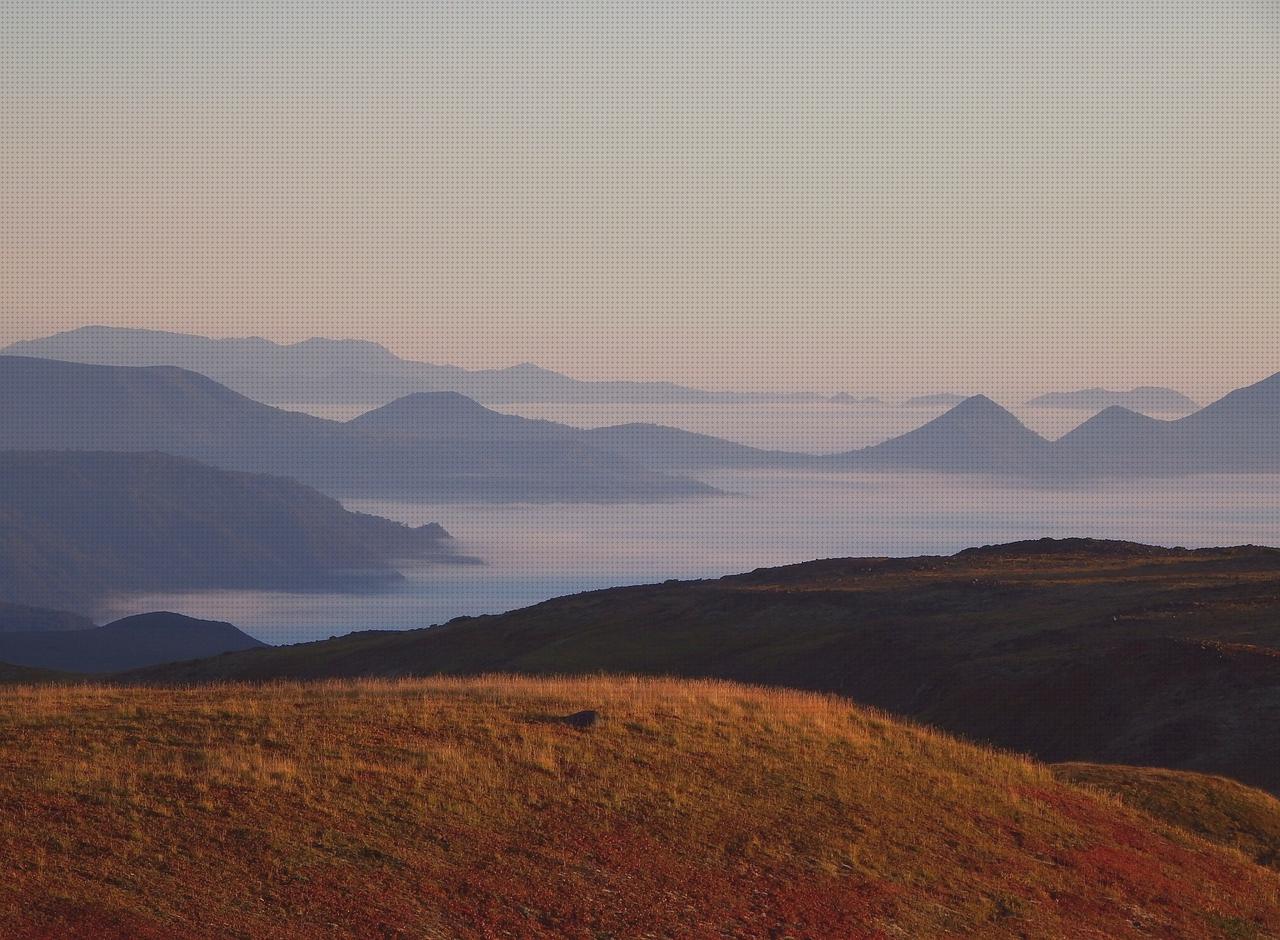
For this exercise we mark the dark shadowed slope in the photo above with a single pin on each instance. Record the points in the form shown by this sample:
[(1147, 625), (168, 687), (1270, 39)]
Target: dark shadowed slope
[(126, 644), (20, 618), (22, 675), (1071, 650), (76, 526), (45, 404), (465, 810)]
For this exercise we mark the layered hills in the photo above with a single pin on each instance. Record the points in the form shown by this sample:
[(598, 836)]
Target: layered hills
[(46, 404), (1069, 650), (1239, 433), (328, 370), (1146, 399), (445, 808), (129, 643), (448, 416), (16, 618), (977, 435), (77, 526), (444, 446)]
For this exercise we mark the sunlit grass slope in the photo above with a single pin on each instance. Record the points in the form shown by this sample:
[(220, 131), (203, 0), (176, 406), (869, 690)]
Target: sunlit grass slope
[(461, 807), (1216, 808), (1070, 650)]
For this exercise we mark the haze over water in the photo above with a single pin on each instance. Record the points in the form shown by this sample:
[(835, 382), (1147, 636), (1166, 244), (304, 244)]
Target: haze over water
[(535, 552)]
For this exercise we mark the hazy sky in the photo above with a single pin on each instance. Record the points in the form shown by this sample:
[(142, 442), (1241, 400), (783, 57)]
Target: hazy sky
[(866, 196)]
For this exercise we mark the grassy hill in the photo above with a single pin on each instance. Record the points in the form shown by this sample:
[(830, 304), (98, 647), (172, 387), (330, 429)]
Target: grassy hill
[(10, 673), (464, 808), (1072, 650), (1215, 808)]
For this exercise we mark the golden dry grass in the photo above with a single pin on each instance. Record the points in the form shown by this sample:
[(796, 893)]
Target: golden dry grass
[(1219, 809), (461, 808)]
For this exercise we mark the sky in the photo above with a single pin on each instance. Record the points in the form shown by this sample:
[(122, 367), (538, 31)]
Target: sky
[(881, 197)]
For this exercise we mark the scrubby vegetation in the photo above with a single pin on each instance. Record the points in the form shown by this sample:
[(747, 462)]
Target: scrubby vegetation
[(1070, 650), (464, 808), (1216, 808)]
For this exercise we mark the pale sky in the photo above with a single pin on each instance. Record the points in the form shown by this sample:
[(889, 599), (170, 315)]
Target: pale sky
[(881, 197)]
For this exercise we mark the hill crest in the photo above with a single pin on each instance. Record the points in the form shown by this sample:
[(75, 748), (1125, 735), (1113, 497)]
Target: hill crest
[(975, 435), (468, 808), (1070, 650)]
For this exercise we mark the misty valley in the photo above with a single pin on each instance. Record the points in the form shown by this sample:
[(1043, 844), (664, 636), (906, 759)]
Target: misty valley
[(533, 552), (640, 471), (132, 486), (423, 596)]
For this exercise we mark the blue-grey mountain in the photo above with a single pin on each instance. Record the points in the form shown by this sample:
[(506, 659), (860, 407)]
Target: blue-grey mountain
[(445, 446), (51, 405), (23, 618), (1238, 433), (76, 527), (1146, 399), (330, 371), (447, 417), (976, 436), (131, 643)]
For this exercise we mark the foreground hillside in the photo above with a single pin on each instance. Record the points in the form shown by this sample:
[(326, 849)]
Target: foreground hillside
[(1071, 650), (464, 808)]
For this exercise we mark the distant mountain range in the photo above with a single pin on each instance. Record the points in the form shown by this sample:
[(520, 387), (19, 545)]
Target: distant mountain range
[(1070, 649), (1146, 400), (440, 446), (131, 643), (976, 435), (446, 455), (1239, 433), (451, 419), (78, 526), (356, 371)]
